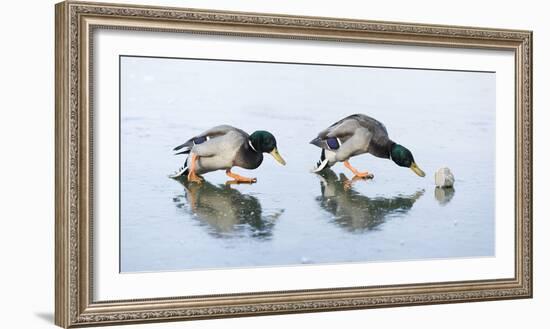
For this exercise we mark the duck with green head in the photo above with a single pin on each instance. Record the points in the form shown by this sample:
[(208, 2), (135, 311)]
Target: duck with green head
[(358, 134), (224, 147)]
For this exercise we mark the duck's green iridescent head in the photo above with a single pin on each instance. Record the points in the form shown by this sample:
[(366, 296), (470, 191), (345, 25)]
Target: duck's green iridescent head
[(404, 158), (264, 141)]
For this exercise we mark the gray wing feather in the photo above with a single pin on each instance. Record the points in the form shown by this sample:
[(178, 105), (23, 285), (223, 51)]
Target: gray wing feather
[(357, 133), (343, 130), (210, 133), (337, 128), (222, 140), (222, 130), (380, 143), (371, 123)]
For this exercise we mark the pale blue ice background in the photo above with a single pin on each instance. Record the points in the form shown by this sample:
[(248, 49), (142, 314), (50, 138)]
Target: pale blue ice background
[(445, 118)]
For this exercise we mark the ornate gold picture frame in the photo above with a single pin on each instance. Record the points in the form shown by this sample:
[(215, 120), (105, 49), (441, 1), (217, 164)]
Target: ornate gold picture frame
[(75, 24)]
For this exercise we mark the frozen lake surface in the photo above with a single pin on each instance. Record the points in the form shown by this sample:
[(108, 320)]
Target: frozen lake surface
[(291, 216)]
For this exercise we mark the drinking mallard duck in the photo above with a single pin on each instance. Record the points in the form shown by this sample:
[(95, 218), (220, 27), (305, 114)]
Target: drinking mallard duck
[(358, 134), (224, 147)]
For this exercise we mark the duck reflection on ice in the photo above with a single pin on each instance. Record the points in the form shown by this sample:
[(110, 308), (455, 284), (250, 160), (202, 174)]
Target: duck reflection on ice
[(226, 211), (355, 212)]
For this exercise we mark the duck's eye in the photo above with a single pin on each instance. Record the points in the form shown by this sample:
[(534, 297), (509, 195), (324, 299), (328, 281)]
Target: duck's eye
[(333, 143)]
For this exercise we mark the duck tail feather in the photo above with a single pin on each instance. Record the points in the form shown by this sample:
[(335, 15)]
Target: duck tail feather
[(321, 164), (186, 145), (186, 151), (317, 142), (183, 171)]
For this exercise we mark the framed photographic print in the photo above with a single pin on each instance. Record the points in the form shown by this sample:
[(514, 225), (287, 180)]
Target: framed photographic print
[(217, 164)]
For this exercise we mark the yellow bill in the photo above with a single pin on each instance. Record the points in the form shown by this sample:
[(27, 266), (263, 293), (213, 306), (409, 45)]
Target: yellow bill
[(278, 157), (414, 167)]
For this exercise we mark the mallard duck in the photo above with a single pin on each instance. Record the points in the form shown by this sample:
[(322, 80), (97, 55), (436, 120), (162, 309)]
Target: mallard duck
[(358, 134), (222, 148)]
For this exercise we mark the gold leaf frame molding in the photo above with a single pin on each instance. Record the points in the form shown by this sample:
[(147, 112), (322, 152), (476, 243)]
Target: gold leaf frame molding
[(75, 23)]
